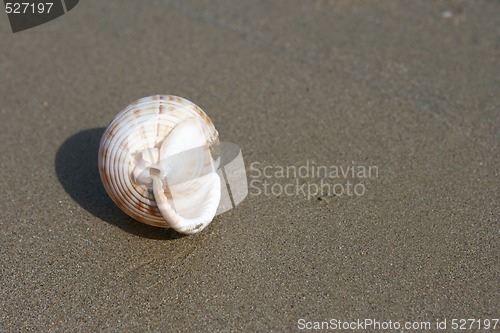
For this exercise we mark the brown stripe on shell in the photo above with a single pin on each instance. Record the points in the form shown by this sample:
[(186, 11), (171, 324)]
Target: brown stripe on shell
[(158, 222), (142, 191), (148, 209), (116, 125), (177, 99), (203, 114), (137, 113)]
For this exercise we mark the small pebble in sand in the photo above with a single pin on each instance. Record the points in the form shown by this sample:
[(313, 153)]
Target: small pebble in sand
[(447, 14)]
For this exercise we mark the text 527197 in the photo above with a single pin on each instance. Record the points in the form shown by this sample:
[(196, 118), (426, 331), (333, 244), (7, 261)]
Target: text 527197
[(28, 7)]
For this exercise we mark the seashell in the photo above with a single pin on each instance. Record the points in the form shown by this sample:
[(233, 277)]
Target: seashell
[(157, 161)]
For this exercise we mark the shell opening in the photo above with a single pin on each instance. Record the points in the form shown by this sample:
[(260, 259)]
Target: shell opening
[(181, 172), (147, 166)]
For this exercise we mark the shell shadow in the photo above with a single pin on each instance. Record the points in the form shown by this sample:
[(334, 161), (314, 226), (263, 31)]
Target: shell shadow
[(77, 171)]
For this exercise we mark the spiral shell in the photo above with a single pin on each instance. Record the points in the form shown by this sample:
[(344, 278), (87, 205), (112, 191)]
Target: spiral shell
[(157, 163)]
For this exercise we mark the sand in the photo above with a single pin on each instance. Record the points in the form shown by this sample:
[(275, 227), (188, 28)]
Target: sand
[(410, 88)]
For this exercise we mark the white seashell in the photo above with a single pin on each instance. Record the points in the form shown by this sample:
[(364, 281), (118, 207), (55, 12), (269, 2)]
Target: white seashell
[(156, 161)]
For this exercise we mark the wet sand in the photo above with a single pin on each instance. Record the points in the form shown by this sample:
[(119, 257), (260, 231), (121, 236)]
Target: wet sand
[(410, 88)]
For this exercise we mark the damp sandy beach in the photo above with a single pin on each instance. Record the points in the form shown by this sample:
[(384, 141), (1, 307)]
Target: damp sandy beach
[(409, 89)]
